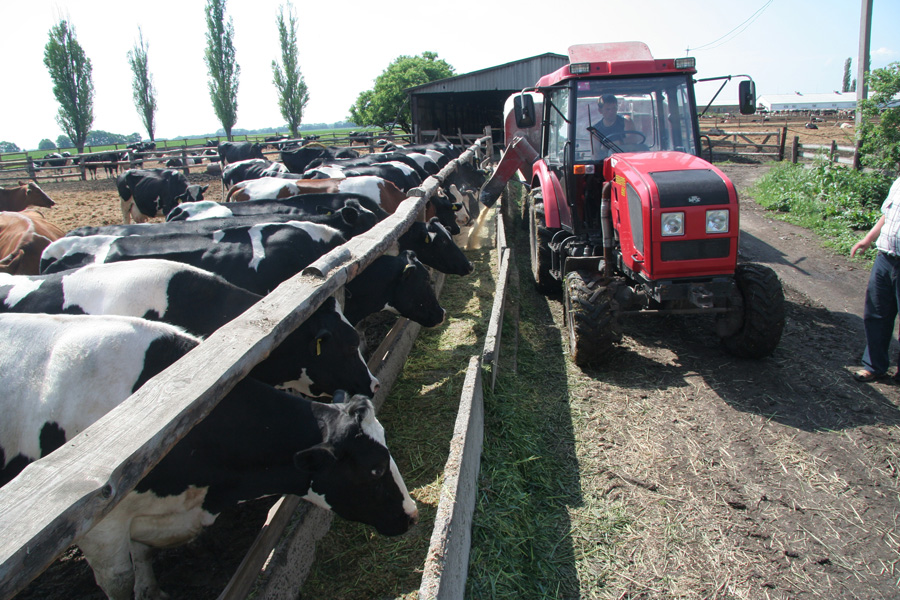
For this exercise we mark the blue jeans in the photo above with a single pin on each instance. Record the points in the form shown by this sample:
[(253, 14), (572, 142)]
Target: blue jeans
[(882, 299)]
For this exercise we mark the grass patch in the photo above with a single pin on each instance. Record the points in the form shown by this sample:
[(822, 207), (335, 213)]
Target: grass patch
[(353, 561), (837, 203)]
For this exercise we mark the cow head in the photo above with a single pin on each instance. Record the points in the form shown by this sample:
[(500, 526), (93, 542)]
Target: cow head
[(434, 246), (193, 193), (35, 196), (325, 349), (445, 210), (352, 472)]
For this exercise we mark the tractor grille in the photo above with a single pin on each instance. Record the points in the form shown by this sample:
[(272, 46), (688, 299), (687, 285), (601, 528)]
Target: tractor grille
[(695, 249), (694, 187)]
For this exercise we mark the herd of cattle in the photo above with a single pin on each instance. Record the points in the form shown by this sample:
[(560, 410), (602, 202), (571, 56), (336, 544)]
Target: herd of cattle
[(107, 308)]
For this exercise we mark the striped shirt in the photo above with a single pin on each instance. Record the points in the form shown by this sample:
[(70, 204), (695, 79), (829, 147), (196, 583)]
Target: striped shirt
[(889, 239)]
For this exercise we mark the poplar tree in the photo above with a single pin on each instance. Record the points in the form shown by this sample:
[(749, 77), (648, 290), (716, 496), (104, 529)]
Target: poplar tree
[(73, 86), (846, 84), (144, 93), (292, 92), (224, 72)]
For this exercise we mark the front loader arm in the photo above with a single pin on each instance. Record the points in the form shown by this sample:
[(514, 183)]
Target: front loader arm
[(518, 154)]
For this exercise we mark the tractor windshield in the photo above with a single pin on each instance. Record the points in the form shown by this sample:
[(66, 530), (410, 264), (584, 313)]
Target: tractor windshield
[(632, 115)]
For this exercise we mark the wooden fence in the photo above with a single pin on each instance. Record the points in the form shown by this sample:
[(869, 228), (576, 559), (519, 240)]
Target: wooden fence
[(25, 168), (58, 498)]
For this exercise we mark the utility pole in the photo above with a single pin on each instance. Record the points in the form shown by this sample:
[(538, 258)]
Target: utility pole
[(862, 63)]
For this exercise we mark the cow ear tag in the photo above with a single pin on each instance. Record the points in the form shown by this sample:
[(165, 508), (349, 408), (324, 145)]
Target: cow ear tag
[(318, 346)]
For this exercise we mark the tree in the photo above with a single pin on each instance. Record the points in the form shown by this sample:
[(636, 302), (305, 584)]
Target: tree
[(64, 141), (46, 144), (224, 72), (845, 86), (292, 92), (10, 147), (73, 86), (879, 130), (386, 102), (144, 93)]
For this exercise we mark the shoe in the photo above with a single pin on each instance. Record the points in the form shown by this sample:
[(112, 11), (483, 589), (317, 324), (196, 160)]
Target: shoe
[(866, 375)]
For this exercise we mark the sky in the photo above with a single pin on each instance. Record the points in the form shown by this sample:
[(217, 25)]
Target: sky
[(786, 46)]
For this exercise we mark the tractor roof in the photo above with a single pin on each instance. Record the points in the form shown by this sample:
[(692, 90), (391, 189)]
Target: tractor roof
[(612, 60)]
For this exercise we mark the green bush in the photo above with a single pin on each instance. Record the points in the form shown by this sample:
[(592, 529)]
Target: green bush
[(838, 203)]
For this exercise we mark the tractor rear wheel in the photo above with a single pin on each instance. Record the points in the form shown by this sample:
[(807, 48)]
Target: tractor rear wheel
[(539, 242), (591, 320), (755, 331)]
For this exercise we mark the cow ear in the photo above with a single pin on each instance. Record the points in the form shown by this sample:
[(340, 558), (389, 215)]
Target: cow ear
[(204, 188), (349, 214), (359, 408), (322, 338), (317, 458)]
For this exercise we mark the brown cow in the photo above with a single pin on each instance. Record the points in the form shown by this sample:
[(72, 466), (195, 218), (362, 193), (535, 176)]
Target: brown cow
[(22, 196), (23, 237)]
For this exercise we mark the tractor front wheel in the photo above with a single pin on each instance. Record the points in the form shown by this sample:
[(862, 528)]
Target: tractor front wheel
[(591, 320), (754, 331)]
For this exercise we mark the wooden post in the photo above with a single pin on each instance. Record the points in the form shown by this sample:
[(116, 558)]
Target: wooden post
[(30, 168), (833, 154), (795, 149), (184, 162), (83, 167), (782, 140), (856, 162)]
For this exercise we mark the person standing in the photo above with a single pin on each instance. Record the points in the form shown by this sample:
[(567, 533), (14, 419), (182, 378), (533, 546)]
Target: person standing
[(883, 290)]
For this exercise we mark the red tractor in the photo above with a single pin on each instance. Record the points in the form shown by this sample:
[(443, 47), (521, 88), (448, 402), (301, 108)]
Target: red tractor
[(623, 212)]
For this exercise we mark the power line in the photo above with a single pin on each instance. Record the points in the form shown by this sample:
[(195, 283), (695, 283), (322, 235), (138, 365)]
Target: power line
[(742, 26)]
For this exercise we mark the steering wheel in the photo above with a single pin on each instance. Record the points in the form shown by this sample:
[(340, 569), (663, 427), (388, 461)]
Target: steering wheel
[(621, 135)]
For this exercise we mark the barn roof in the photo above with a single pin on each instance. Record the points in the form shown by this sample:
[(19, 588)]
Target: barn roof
[(514, 75)]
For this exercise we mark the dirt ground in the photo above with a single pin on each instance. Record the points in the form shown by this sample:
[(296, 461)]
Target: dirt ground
[(743, 479), (775, 478)]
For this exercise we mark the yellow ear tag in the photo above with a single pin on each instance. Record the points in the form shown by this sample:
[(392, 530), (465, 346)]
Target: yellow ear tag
[(319, 347)]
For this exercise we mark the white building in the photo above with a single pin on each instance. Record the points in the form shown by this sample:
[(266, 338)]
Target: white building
[(798, 101)]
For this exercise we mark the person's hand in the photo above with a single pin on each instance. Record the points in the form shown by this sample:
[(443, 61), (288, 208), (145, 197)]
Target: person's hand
[(862, 245)]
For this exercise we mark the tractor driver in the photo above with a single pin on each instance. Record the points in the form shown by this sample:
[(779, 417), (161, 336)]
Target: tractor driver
[(612, 122)]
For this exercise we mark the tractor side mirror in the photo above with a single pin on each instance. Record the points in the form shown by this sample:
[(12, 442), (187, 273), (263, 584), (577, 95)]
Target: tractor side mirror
[(523, 104), (747, 97)]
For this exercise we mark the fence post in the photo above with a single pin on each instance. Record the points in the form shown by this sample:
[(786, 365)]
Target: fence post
[(782, 141), (795, 149), (30, 168), (833, 154), (184, 162)]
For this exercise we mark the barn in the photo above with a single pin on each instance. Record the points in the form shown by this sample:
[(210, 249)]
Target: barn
[(832, 101), (464, 104)]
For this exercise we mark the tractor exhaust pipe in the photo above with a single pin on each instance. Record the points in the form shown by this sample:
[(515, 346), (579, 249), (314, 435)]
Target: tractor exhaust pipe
[(606, 227)]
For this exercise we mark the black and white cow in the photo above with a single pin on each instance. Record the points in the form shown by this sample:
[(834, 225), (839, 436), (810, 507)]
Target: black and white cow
[(206, 217), (253, 168), (434, 246), (257, 258), (256, 442), (302, 204), (147, 193), (297, 159), (398, 284), (318, 358), (398, 173), (232, 152)]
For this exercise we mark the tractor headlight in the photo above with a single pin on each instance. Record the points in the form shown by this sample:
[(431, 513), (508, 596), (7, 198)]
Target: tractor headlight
[(673, 223), (717, 221)]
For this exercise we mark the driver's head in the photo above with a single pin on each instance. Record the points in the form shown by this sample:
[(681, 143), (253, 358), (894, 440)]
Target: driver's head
[(608, 104)]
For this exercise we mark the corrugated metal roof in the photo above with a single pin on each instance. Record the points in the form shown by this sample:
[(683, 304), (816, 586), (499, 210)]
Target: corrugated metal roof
[(514, 75)]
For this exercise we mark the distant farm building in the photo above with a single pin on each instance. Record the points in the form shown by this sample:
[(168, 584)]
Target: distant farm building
[(833, 101)]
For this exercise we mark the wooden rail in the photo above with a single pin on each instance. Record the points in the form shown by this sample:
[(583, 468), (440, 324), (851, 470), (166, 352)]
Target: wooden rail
[(56, 499)]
